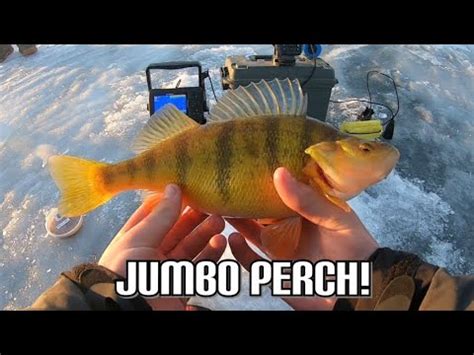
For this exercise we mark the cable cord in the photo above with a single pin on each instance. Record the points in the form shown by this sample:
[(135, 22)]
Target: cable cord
[(373, 103), (394, 89), (212, 87), (370, 102)]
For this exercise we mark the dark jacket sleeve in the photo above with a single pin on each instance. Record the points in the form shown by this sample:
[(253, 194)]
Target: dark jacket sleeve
[(87, 287), (402, 281)]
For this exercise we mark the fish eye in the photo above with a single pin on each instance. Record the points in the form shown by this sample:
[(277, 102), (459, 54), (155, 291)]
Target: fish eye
[(365, 147)]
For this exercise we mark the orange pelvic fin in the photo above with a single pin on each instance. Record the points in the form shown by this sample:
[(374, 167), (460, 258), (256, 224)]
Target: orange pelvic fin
[(266, 221), (281, 239)]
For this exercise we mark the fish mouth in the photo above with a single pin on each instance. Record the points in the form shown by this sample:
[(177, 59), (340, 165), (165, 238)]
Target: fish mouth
[(319, 177), (324, 178)]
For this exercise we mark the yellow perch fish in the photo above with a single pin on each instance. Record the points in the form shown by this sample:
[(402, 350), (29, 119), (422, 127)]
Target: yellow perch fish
[(226, 166)]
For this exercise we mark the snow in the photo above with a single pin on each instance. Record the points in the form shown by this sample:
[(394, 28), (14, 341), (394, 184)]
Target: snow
[(91, 101)]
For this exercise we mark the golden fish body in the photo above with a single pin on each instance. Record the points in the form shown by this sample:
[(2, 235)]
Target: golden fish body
[(225, 168)]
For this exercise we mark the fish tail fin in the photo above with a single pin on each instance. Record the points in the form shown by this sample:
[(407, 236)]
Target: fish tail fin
[(81, 184)]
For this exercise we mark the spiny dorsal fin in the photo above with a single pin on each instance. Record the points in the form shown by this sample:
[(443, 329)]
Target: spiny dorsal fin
[(276, 97), (164, 124)]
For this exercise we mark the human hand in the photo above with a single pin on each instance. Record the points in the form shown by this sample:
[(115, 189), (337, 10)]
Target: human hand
[(160, 232), (328, 232)]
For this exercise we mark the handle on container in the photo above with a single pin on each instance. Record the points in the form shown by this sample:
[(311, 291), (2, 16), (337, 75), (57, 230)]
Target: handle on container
[(170, 66)]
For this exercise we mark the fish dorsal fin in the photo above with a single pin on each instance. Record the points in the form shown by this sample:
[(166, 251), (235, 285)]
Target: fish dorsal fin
[(276, 97), (163, 124)]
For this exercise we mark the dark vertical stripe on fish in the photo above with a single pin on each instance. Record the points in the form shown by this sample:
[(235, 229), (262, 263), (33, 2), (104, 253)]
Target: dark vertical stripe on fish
[(249, 135), (224, 154), (272, 126), (149, 162), (183, 161), (131, 168), (108, 176)]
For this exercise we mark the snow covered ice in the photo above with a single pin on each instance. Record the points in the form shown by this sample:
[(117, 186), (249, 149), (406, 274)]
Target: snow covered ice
[(90, 101)]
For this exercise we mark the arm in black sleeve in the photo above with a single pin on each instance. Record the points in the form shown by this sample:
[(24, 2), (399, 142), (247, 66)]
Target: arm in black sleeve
[(402, 281), (87, 287)]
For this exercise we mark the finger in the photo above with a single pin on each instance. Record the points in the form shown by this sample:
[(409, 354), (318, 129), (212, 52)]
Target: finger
[(214, 249), (194, 243), (213, 252), (185, 225), (144, 210), (309, 203), (241, 251), (150, 231), (248, 228)]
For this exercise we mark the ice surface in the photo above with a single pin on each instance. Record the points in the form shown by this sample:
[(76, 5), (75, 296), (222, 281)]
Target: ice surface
[(91, 101)]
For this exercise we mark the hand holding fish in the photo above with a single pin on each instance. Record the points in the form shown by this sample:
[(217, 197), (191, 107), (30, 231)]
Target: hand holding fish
[(160, 232), (327, 232)]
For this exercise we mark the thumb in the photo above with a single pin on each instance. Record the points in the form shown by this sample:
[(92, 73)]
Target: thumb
[(307, 202)]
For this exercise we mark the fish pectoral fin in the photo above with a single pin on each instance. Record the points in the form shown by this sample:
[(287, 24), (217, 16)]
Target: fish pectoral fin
[(164, 124), (280, 240)]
